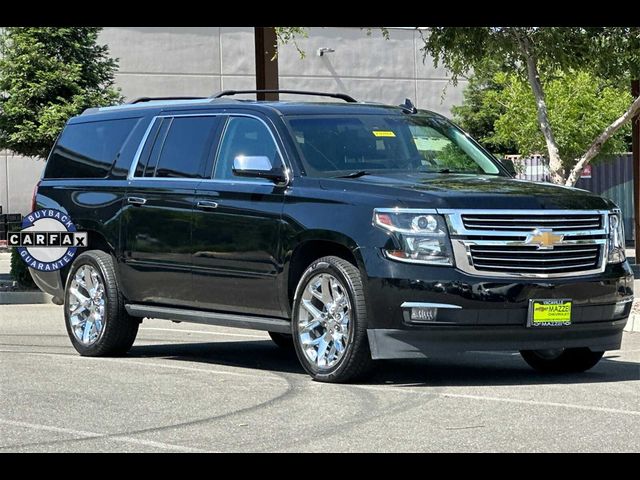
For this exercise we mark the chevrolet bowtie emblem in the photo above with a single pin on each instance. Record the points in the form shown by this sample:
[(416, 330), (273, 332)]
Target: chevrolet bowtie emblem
[(544, 238)]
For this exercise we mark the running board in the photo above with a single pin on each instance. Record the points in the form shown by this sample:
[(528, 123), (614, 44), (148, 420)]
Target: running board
[(268, 324)]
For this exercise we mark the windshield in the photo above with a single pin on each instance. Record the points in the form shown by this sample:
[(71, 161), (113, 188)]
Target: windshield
[(336, 146)]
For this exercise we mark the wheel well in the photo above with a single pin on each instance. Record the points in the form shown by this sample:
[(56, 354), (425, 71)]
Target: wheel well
[(95, 241), (305, 254)]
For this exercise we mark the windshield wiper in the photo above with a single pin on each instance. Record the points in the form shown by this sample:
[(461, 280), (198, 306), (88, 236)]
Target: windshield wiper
[(359, 173)]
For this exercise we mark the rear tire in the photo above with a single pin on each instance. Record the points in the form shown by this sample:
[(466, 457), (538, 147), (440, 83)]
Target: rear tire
[(329, 322), (569, 360), (283, 340), (96, 320)]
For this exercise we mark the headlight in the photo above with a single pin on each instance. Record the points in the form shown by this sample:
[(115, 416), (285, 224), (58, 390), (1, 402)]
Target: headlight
[(616, 239), (420, 236)]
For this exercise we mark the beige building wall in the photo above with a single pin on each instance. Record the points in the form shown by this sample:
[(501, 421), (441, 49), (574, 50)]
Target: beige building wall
[(199, 61), (164, 61)]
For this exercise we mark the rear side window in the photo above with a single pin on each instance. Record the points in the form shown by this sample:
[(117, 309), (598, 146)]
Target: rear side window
[(185, 148), (88, 150)]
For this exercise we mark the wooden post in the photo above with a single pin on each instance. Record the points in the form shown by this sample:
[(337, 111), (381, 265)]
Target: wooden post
[(266, 62), (635, 141)]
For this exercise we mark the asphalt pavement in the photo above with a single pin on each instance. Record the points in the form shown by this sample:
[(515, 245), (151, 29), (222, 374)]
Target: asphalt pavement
[(195, 388)]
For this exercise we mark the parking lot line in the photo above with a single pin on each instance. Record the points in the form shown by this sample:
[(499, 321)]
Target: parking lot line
[(507, 400), (97, 436)]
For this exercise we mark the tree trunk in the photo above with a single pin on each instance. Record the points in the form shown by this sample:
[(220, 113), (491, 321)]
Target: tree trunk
[(596, 146), (555, 162)]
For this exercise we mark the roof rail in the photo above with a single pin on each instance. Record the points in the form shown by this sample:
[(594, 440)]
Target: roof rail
[(341, 96), (154, 99)]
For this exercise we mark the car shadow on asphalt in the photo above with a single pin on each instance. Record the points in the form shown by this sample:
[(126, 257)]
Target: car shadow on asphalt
[(470, 369)]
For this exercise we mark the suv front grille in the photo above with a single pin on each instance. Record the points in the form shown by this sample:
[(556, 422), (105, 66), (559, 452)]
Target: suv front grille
[(538, 243), (574, 258), (559, 223)]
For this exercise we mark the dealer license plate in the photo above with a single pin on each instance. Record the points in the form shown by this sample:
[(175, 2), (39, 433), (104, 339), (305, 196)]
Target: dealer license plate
[(549, 313)]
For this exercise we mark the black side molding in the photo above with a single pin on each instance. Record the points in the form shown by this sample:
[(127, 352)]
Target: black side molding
[(268, 324)]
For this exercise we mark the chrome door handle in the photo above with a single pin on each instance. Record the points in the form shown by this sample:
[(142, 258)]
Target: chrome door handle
[(136, 200), (204, 205)]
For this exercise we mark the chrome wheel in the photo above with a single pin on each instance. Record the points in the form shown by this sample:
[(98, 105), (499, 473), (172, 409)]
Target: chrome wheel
[(324, 321), (86, 304)]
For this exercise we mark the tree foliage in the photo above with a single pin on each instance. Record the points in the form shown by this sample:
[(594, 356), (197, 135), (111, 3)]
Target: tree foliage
[(47, 75), (611, 52), (482, 106), (580, 107), (537, 55), (19, 271)]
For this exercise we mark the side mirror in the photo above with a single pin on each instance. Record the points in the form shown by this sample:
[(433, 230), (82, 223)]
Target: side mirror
[(258, 166)]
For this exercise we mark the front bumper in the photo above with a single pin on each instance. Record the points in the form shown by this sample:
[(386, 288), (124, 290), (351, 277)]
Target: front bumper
[(399, 343), (489, 313)]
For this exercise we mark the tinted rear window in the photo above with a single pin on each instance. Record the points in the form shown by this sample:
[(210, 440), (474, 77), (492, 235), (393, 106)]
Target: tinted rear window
[(186, 147), (88, 150)]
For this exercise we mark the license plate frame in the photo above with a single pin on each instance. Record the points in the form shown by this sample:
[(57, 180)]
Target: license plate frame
[(560, 318)]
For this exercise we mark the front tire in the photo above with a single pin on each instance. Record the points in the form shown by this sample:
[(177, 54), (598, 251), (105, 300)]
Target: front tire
[(96, 320), (329, 324), (568, 360)]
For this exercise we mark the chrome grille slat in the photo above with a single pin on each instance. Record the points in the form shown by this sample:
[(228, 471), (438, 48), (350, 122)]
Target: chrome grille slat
[(519, 267), (494, 242), (564, 259), (527, 227), (529, 222), (537, 252), (536, 220)]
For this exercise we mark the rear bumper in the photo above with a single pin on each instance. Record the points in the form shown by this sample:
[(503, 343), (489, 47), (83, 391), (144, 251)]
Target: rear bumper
[(427, 341), (51, 283)]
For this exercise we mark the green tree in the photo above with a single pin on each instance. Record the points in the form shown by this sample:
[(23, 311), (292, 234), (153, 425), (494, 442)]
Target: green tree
[(482, 106), (47, 75), (535, 54), (580, 106)]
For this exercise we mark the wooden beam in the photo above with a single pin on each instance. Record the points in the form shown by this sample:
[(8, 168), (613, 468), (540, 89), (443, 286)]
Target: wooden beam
[(266, 62), (635, 141)]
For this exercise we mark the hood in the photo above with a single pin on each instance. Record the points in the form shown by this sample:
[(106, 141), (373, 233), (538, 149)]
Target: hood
[(470, 191)]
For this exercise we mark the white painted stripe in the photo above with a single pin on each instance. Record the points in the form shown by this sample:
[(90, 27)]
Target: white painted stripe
[(95, 435), (226, 334), (574, 406)]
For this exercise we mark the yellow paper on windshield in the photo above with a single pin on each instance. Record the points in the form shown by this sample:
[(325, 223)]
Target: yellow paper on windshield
[(384, 133)]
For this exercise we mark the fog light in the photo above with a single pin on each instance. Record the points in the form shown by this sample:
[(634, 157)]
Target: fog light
[(620, 308), (423, 314)]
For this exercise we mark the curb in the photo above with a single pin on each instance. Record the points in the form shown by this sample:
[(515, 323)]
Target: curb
[(24, 298), (633, 324)]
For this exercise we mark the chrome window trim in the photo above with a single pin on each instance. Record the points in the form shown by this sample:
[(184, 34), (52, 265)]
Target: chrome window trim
[(143, 142), (462, 240), (136, 158)]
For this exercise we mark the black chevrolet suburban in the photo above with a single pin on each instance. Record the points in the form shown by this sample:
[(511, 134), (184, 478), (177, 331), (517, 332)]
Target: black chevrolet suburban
[(349, 231)]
